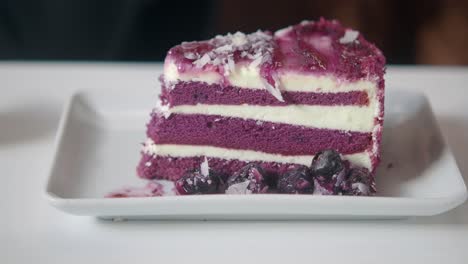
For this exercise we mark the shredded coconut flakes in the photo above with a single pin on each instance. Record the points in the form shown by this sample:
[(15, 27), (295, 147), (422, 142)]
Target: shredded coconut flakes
[(349, 36), (257, 46), (205, 168), (252, 46), (239, 188)]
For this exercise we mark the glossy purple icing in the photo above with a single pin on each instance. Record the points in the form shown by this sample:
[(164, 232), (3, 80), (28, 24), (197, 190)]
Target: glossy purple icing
[(237, 133), (191, 93), (320, 47), (317, 47)]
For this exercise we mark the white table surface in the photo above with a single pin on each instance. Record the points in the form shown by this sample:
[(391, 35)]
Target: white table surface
[(32, 96)]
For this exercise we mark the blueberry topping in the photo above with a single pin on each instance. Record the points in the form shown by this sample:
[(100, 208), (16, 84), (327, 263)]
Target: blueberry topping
[(249, 179), (327, 163), (297, 180), (329, 172), (195, 182), (359, 182)]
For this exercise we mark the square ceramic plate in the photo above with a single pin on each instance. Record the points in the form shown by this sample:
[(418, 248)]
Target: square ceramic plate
[(98, 146)]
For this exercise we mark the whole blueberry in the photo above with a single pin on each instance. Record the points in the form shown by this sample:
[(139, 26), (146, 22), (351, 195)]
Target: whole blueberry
[(329, 172), (249, 179), (326, 163), (195, 182), (359, 182), (297, 180)]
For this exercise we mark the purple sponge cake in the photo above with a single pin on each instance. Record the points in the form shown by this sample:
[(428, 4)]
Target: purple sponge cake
[(275, 100)]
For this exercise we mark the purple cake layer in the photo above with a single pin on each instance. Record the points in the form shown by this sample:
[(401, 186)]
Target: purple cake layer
[(237, 133), (191, 93), (174, 168), (170, 168), (321, 47)]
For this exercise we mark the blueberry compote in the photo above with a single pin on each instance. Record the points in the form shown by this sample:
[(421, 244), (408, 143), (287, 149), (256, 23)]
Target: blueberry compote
[(250, 179), (196, 182), (297, 180)]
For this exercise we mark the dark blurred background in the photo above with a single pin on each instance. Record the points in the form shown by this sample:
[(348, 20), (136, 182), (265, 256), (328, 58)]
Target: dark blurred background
[(421, 32)]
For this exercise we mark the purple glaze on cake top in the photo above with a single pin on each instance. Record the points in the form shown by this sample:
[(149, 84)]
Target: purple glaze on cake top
[(323, 48), (326, 47)]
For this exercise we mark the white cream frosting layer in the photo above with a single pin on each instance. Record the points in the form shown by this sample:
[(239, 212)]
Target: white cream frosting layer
[(362, 159), (248, 76), (347, 117)]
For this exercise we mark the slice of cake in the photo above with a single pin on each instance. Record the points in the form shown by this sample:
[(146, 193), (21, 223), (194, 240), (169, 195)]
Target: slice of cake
[(275, 100)]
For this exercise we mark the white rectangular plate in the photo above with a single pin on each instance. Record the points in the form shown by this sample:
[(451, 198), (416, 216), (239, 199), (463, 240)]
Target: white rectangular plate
[(98, 146)]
